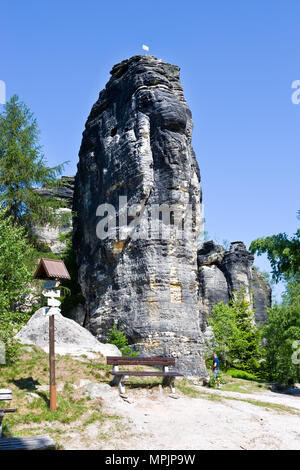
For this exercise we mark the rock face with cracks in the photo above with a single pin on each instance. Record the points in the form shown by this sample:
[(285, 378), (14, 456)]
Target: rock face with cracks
[(137, 146), (223, 272)]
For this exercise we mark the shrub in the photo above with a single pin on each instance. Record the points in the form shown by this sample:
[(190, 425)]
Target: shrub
[(215, 382), (241, 374), (118, 338)]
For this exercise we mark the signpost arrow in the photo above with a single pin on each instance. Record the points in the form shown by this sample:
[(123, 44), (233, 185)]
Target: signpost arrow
[(51, 284), (51, 293), (53, 302), (52, 311)]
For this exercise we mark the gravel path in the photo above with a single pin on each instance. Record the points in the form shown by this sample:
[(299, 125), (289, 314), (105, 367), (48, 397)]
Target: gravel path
[(157, 421)]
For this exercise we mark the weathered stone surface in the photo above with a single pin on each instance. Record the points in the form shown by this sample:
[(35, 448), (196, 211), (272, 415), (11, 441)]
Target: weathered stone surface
[(236, 265), (262, 294), (223, 272), (78, 314), (213, 287), (137, 143), (64, 191), (209, 253), (70, 338), (49, 234)]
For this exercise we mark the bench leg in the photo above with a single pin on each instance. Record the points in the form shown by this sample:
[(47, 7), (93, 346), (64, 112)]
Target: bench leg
[(119, 382), (172, 386), (169, 382), (1, 418), (166, 380), (115, 380)]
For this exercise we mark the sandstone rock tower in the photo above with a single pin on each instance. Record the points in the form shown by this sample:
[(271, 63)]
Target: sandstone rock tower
[(137, 144)]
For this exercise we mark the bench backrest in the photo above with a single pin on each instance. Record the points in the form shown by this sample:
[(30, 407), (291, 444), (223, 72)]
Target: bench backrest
[(5, 394), (140, 361)]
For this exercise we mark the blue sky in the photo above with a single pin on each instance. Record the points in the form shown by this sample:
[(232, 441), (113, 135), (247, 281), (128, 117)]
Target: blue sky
[(238, 60)]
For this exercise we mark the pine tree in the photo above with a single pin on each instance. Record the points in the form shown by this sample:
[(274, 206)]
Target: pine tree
[(236, 337), (23, 167), (246, 346)]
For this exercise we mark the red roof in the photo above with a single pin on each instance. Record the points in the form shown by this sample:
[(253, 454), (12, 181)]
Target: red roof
[(51, 269)]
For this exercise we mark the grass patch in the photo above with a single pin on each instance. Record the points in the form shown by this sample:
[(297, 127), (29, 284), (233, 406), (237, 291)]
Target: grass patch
[(239, 385), (28, 378), (271, 406), (187, 388)]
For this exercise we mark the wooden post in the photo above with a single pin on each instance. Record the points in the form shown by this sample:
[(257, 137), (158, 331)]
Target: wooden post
[(52, 364)]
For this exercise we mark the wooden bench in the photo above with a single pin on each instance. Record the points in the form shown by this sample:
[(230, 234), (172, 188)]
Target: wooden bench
[(158, 361), (27, 443), (20, 443), (5, 395)]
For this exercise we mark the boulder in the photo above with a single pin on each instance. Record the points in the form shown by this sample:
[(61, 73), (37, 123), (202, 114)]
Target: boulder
[(70, 337)]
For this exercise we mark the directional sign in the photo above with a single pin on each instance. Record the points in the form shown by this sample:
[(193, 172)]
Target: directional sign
[(51, 284), (52, 311), (53, 302), (51, 293)]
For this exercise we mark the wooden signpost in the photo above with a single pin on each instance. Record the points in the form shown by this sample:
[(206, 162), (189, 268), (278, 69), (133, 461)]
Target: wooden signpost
[(52, 302), (51, 271)]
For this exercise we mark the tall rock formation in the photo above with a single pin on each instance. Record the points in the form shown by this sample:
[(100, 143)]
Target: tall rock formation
[(222, 272), (137, 144)]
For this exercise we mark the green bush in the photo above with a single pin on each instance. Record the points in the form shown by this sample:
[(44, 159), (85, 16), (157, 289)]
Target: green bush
[(215, 382), (241, 374), (118, 338)]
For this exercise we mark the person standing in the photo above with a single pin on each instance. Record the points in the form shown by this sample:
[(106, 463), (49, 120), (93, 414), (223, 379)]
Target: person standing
[(216, 368)]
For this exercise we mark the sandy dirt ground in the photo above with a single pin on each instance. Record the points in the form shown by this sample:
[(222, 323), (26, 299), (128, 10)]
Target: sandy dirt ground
[(154, 420)]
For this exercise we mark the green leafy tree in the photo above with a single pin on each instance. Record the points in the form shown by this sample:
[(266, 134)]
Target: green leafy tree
[(15, 275), (236, 337), (283, 253), (282, 333), (23, 167)]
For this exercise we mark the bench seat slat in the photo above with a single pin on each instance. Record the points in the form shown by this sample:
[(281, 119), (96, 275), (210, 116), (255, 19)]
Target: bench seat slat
[(149, 374), (26, 443), (142, 358), (136, 361), (145, 363), (5, 397), (8, 410)]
